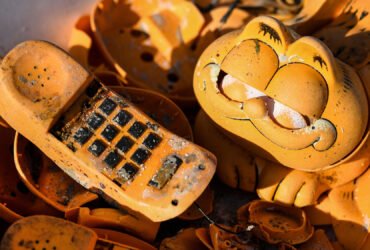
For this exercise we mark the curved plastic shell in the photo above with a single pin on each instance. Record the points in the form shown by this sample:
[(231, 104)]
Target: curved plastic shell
[(276, 223), (149, 42), (262, 57), (16, 200), (55, 103)]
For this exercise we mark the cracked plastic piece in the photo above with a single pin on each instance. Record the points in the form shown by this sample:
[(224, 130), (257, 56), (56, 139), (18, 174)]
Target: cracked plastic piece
[(130, 222), (262, 107), (276, 223), (52, 99), (16, 200)]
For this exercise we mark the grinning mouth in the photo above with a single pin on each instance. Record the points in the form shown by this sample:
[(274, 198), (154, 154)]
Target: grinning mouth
[(281, 114)]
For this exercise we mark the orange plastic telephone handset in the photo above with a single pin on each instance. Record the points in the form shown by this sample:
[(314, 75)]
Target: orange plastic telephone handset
[(97, 137)]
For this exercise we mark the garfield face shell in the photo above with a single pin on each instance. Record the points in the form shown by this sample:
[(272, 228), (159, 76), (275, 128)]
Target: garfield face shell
[(283, 97)]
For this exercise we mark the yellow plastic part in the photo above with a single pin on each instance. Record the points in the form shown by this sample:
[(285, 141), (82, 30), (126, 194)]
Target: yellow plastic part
[(332, 114), (37, 232), (347, 36), (45, 107), (222, 240), (184, 240), (110, 218), (350, 211), (276, 223)]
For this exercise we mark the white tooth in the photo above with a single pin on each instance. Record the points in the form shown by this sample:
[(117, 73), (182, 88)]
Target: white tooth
[(296, 119)]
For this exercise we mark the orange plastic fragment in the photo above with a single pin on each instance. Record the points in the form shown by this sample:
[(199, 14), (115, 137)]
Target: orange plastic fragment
[(111, 218), (48, 233), (184, 240), (276, 223), (222, 240), (142, 166)]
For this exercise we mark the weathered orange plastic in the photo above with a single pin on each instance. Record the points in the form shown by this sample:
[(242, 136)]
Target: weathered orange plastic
[(350, 211), (45, 232), (332, 113), (59, 190), (122, 238), (347, 36), (56, 104), (15, 199), (111, 218), (46, 180), (236, 167), (183, 240), (276, 223)]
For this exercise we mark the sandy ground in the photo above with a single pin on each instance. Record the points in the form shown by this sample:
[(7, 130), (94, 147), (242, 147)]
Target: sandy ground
[(50, 20)]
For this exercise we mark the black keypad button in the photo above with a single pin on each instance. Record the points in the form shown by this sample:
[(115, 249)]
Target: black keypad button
[(108, 106), (165, 173), (97, 148), (95, 121), (137, 129), (122, 118), (93, 88), (82, 135), (125, 144), (127, 172), (140, 155), (109, 132), (112, 159), (152, 141)]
